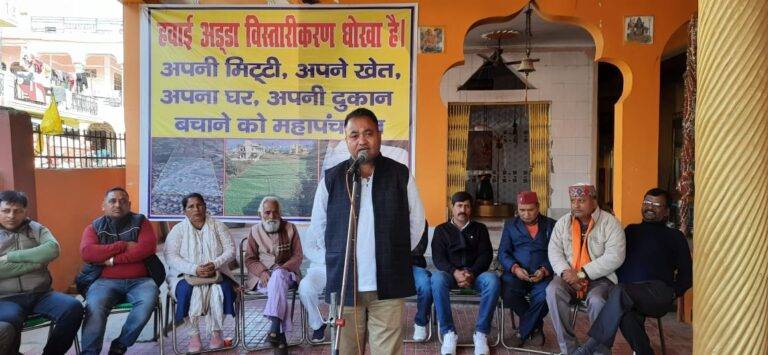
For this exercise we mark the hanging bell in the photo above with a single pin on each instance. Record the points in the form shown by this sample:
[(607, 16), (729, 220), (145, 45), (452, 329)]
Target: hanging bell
[(526, 66)]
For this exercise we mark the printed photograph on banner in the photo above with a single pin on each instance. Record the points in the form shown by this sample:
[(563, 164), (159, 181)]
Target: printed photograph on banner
[(181, 166), (272, 84), (262, 167)]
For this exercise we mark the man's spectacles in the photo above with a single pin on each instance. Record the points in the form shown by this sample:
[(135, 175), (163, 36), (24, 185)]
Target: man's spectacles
[(654, 204)]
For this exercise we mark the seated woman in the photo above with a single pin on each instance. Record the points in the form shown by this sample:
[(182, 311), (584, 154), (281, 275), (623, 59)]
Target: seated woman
[(198, 251), (273, 259)]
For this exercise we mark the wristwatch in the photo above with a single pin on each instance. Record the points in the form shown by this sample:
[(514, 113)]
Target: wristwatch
[(581, 274)]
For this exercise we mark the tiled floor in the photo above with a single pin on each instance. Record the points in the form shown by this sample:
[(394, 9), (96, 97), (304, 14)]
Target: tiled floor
[(678, 336)]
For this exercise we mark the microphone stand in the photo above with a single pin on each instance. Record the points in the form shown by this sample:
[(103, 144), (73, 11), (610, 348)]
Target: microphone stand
[(337, 306)]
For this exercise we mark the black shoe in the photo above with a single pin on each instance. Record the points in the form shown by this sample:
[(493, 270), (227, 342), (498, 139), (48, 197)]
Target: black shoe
[(537, 337), (282, 345), (517, 341), (117, 349), (273, 339), (318, 335)]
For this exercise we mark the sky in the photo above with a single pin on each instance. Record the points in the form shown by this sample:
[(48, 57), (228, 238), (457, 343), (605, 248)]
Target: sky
[(72, 8)]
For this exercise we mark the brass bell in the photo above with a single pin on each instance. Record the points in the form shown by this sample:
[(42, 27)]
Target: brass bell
[(526, 66)]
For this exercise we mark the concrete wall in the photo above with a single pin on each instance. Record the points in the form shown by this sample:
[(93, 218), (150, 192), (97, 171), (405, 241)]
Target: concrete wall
[(567, 78), (67, 201)]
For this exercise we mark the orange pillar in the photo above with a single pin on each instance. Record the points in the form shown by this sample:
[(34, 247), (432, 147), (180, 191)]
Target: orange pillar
[(636, 137), (131, 105)]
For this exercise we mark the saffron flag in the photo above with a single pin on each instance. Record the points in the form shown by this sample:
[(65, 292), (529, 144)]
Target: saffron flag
[(51, 124)]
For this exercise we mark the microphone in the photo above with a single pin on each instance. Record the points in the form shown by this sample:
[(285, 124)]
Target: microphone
[(362, 157)]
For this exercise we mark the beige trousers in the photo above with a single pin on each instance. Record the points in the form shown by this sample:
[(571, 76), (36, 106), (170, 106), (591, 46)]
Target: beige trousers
[(377, 321)]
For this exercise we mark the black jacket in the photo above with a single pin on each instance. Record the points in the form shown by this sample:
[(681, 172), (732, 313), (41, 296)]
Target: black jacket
[(462, 249)]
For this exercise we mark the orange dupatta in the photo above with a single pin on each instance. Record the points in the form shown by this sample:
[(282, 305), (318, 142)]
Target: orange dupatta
[(580, 251)]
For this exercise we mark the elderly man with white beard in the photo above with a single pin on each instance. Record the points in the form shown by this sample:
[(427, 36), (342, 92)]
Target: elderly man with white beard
[(273, 258)]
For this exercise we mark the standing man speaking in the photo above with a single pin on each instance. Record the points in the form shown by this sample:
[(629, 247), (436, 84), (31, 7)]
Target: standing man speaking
[(390, 221)]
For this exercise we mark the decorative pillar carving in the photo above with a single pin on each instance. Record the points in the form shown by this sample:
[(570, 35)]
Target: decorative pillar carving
[(730, 312)]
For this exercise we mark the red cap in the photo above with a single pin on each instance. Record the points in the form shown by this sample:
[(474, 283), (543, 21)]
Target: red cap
[(527, 198)]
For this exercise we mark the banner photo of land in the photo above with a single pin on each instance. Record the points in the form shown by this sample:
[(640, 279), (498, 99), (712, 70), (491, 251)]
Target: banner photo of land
[(275, 82), (281, 168), (184, 165)]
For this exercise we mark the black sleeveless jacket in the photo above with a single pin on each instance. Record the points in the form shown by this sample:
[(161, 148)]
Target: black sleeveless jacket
[(394, 277)]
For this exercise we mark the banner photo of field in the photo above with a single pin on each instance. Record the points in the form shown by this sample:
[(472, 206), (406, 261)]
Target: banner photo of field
[(243, 102)]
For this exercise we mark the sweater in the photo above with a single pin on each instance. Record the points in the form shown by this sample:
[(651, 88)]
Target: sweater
[(262, 250), (469, 248), (128, 258), (28, 249), (657, 252)]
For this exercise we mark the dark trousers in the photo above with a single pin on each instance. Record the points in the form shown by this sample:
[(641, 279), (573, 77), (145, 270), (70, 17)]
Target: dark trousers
[(531, 313), (626, 309), (65, 311)]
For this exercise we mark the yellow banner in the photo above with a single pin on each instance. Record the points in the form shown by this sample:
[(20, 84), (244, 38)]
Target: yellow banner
[(279, 73), (247, 102)]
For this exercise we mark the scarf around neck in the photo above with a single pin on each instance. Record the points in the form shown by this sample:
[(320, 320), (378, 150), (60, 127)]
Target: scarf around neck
[(580, 249)]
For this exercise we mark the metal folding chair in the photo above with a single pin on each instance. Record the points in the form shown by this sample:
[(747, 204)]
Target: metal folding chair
[(126, 307), (514, 327), (38, 321), (249, 295), (581, 305), (170, 305), (468, 296), (661, 336)]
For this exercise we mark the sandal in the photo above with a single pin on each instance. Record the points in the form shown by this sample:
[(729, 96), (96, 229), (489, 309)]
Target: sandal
[(273, 339)]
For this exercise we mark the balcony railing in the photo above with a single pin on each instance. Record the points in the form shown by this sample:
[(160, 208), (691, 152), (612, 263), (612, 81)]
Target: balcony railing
[(85, 104), (27, 90), (78, 149), (52, 24)]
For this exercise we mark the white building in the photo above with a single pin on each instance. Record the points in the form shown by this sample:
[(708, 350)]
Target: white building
[(49, 50)]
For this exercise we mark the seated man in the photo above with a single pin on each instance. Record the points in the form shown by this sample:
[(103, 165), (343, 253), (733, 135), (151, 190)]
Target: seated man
[(523, 254), (119, 249), (462, 253), (657, 270), (586, 248), (273, 259), (26, 248), (313, 283), (423, 279)]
